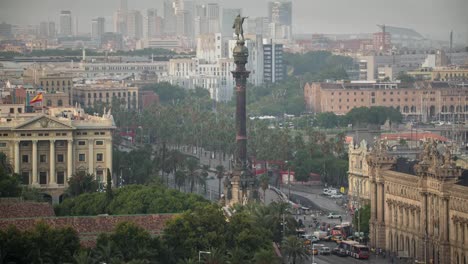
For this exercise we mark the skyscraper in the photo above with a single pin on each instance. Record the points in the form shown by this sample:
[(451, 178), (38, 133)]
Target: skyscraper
[(150, 22), (280, 13), (135, 24), (207, 19), (52, 30), (120, 18), (44, 29), (169, 18), (65, 23), (98, 27), (229, 14)]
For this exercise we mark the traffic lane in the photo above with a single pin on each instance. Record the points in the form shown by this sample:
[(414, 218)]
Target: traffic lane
[(324, 203)]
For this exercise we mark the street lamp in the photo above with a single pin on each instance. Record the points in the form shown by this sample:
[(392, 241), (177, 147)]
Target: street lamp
[(289, 179), (313, 256), (202, 252)]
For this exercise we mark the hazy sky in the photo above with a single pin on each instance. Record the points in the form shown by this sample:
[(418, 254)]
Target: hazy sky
[(434, 18)]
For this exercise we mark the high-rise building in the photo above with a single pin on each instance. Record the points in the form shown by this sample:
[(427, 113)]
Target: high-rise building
[(273, 62), (207, 19), (44, 29), (280, 13), (5, 30), (120, 22), (184, 18), (98, 27), (229, 14), (52, 30), (123, 5), (169, 18), (66, 23), (135, 24), (150, 23)]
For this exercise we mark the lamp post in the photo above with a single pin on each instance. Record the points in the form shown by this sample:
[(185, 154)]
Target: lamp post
[(200, 253), (313, 255), (289, 179)]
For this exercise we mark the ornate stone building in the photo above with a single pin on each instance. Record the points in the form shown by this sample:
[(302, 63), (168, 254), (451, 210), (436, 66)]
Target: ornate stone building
[(421, 213), (45, 149)]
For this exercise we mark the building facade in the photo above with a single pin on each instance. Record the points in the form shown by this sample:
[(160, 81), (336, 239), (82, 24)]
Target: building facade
[(66, 23), (421, 214), (274, 68), (46, 149), (422, 101), (89, 95)]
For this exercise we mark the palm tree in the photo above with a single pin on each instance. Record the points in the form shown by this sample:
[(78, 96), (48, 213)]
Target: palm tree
[(104, 253), (83, 257), (238, 256), (187, 261), (264, 182), (265, 256), (180, 177), (204, 176), (294, 248), (216, 256), (220, 174), (192, 166)]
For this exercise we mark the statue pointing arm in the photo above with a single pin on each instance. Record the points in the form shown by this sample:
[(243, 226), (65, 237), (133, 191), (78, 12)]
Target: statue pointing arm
[(237, 26)]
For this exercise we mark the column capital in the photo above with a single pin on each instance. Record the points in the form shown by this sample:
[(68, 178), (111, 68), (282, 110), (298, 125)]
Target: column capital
[(70, 141), (52, 141), (34, 141)]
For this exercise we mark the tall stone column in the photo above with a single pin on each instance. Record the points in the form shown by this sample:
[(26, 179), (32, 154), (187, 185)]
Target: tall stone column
[(91, 156), (17, 156), (241, 186), (70, 170), (34, 162), (53, 176)]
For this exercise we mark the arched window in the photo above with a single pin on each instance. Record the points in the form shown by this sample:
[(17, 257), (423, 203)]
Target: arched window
[(60, 102), (413, 109), (405, 109), (49, 102), (452, 109), (444, 109)]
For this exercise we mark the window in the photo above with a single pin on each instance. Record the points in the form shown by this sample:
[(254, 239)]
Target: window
[(25, 158), (42, 177), (25, 177), (96, 133), (2, 144), (60, 102), (99, 157), (42, 158), (60, 177), (99, 142), (60, 158), (82, 157), (81, 143)]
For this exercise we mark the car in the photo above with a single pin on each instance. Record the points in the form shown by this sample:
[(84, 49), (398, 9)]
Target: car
[(315, 251), (336, 196), (333, 216), (337, 239), (314, 239), (327, 238), (324, 251), (339, 252)]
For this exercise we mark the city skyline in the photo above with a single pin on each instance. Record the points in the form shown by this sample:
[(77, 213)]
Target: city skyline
[(433, 19)]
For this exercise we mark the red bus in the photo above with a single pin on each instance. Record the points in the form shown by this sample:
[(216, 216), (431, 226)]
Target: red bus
[(360, 252), (347, 246)]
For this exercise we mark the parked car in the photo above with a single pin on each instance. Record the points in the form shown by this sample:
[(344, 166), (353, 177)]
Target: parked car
[(333, 216), (337, 239), (327, 238), (336, 196), (339, 252), (324, 251)]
